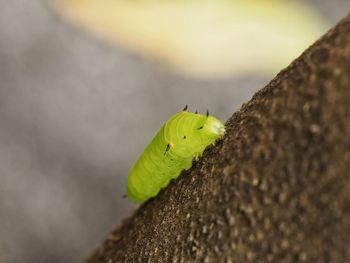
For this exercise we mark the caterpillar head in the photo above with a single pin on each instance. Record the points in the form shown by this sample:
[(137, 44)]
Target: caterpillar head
[(213, 128)]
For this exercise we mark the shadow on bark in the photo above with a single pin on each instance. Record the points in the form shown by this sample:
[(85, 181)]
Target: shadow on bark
[(275, 189)]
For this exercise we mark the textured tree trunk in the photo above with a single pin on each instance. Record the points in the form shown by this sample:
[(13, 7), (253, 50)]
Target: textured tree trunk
[(275, 189)]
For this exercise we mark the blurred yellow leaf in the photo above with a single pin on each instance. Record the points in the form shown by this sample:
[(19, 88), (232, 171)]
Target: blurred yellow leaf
[(207, 38)]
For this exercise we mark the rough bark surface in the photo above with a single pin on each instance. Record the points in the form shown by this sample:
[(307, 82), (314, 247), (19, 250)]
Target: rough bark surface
[(275, 189)]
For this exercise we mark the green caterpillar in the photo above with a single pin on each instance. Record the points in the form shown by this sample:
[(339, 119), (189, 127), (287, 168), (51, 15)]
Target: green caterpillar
[(181, 139)]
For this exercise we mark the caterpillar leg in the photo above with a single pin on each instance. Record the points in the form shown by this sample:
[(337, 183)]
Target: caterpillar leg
[(185, 108), (197, 155)]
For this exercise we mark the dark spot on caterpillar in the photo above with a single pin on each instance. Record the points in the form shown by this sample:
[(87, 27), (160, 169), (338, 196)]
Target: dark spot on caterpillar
[(167, 148), (184, 136), (196, 112), (200, 128)]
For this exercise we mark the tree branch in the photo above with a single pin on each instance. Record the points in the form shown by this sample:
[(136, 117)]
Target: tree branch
[(275, 189)]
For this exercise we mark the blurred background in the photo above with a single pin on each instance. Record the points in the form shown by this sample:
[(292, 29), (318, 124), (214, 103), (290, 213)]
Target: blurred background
[(85, 84)]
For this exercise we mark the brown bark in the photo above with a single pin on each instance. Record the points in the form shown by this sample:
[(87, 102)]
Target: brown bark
[(275, 189)]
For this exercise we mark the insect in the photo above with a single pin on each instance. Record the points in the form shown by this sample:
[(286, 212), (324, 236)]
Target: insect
[(180, 140)]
